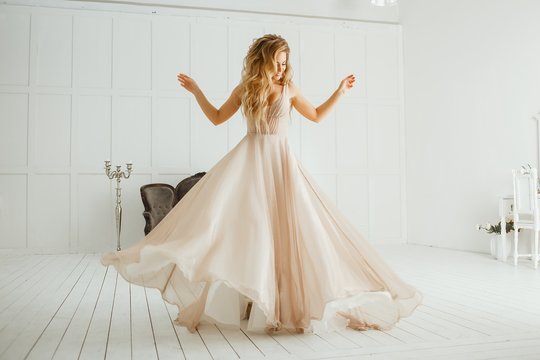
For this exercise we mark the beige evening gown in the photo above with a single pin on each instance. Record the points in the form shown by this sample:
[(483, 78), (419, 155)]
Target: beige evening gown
[(257, 229)]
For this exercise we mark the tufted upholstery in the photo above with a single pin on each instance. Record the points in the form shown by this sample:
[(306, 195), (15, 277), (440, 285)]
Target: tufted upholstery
[(159, 199), (183, 186)]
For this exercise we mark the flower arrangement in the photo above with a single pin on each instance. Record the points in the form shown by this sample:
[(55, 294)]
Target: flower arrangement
[(496, 229), (499, 244)]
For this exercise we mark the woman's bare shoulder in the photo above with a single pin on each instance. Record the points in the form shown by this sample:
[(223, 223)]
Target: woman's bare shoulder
[(238, 89), (293, 90), (237, 92)]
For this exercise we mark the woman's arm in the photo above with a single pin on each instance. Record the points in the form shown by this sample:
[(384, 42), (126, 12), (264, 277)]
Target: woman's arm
[(216, 116), (316, 114)]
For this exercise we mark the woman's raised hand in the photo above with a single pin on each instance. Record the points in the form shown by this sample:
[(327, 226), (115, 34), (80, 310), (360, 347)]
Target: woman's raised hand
[(347, 83), (187, 83)]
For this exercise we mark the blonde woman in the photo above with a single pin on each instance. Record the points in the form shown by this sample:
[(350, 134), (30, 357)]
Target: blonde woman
[(256, 238)]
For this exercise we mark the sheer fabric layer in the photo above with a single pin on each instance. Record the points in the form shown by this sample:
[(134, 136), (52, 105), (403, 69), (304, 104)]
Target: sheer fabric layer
[(258, 228)]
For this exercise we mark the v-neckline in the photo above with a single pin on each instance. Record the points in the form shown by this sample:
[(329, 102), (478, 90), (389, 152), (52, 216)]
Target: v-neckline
[(279, 98)]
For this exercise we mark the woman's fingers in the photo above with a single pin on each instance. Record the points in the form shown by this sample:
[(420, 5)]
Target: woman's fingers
[(183, 79), (351, 80), (186, 82), (348, 82)]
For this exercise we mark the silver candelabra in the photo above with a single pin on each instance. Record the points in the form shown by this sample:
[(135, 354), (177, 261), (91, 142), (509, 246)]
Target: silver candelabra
[(118, 175)]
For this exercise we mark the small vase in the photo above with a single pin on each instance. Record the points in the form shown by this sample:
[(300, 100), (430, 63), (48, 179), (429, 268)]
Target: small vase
[(499, 249)]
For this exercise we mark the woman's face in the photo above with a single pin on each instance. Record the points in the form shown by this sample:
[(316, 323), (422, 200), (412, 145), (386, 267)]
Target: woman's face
[(281, 65)]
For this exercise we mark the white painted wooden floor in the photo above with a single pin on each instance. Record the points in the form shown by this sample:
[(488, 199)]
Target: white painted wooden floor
[(71, 307)]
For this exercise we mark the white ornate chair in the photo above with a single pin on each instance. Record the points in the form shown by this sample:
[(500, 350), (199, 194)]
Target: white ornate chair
[(525, 210)]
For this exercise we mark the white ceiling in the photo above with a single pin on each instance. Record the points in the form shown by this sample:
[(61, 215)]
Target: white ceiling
[(337, 9)]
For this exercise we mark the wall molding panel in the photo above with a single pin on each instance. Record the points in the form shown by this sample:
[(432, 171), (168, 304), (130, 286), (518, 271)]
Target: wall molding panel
[(78, 86)]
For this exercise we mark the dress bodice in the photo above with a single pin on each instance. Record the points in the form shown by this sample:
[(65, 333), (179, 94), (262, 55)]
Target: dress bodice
[(278, 114)]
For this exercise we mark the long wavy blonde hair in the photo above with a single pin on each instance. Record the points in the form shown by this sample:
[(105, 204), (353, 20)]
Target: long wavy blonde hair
[(259, 67)]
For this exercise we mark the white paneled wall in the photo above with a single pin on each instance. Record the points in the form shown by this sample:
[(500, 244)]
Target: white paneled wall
[(50, 134), (13, 210), (80, 86), (13, 130), (92, 51)]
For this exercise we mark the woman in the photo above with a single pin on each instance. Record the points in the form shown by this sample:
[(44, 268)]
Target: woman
[(257, 233)]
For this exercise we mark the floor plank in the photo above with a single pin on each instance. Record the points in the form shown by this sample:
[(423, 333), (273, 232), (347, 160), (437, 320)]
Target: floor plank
[(142, 333), (167, 342), (51, 337), (71, 307), (193, 346), (266, 344), (119, 339), (13, 270), (34, 286), (94, 344), (217, 344), (22, 334), (241, 343)]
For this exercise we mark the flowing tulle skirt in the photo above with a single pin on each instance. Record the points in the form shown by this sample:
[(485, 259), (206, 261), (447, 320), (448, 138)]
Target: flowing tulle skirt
[(257, 230)]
